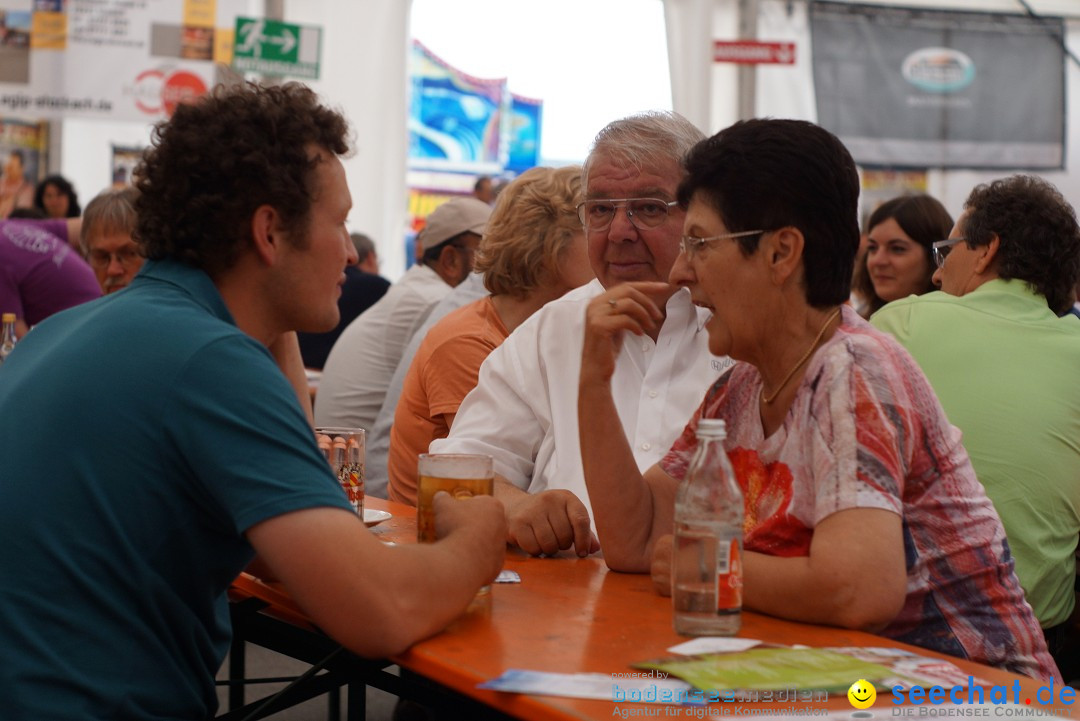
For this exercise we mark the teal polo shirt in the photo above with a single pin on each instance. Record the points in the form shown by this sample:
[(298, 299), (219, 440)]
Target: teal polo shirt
[(1007, 371), (144, 433)]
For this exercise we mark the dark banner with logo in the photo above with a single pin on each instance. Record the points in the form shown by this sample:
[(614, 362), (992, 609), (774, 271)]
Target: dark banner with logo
[(934, 89)]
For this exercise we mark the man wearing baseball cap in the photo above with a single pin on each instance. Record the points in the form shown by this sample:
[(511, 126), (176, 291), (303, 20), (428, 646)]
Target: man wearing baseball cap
[(362, 361)]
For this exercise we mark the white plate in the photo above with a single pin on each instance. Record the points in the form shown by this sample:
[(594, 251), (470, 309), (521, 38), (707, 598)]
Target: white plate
[(374, 518)]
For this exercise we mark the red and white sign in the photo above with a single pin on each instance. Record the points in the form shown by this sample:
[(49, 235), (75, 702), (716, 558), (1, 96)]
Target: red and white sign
[(752, 52), (157, 92)]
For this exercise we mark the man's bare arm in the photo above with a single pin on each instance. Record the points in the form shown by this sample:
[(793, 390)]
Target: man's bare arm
[(375, 599)]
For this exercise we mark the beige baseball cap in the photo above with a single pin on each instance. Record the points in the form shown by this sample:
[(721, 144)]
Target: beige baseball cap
[(454, 217)]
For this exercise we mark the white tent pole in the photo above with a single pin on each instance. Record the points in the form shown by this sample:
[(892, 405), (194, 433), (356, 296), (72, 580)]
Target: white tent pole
[(747, 82), (689, 37)]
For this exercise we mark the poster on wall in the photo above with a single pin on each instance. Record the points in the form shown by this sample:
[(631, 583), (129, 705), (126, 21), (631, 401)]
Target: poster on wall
[(525, 122), (124, 161), (880, 185), (454, 118), (920, 88), (110, 59), (23, 146)]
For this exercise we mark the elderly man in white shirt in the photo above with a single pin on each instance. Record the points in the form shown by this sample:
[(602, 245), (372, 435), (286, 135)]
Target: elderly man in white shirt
[(523, 411)]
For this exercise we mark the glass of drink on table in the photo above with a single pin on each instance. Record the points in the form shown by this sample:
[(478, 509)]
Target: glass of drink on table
[(462, 475), (344, 451)]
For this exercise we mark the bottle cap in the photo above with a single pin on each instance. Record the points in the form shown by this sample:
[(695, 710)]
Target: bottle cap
[(7, 318), (712, 427)]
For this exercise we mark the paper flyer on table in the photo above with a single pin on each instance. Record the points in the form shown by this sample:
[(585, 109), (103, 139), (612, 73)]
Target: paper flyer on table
[(909, 668), (767, 668), (770, 668), (714, 644), (630, 687)]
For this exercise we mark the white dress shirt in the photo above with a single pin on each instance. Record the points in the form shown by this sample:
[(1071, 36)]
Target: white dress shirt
[(523, 411), (362, 361)]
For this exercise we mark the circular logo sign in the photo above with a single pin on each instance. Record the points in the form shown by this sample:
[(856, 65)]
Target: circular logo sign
[(938, 70), (147, 91), (181, 87), (157, 91)]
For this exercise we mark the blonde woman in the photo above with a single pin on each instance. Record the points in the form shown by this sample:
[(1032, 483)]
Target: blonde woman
[(532, 251)]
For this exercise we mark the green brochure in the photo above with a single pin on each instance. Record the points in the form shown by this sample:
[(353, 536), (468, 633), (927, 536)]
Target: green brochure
[(771, 668)]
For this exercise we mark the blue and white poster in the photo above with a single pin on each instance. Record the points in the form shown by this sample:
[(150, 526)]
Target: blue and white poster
[(525, 122), (454, 118)]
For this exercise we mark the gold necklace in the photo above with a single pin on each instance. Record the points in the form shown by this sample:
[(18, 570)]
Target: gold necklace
[(805, 357)]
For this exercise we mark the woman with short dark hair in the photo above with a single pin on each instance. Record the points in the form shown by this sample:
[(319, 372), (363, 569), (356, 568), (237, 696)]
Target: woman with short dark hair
[(861, 506)]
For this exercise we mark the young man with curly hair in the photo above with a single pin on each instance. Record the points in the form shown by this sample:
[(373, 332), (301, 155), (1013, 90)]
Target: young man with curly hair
[(121, 530)]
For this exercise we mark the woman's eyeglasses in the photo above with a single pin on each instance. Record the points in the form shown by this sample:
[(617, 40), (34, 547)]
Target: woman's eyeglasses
[(690, 243)]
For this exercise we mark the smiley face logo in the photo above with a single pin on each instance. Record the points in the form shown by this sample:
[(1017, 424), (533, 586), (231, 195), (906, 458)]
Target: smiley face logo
[(862, 694)]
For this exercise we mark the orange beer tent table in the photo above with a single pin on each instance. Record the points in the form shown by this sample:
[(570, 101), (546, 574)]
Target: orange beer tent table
[(572, 615)]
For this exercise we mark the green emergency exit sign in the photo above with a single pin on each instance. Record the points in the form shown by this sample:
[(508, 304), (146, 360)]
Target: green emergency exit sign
[(273, 47)]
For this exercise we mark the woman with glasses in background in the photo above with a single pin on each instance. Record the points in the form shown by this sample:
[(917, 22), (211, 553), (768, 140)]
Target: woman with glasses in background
[(898, 260)]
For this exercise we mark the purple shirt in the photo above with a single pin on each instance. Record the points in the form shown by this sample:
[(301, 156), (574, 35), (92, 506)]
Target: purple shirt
[(40, 274)]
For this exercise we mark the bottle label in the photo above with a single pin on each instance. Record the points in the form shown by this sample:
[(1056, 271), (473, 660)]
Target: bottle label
[(729, 576), (723, 557)]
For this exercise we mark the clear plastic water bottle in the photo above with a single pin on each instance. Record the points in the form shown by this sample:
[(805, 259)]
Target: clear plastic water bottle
[(7, 335), (706, 560)]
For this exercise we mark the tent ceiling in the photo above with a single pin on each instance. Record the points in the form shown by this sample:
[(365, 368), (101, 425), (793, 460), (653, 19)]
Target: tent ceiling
[(1060, 8)]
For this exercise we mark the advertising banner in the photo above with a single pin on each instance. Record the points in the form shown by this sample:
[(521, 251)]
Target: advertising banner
[(905, 87), (110, 59), (525, 122), (454, 118), (124, 161), (22, 162)]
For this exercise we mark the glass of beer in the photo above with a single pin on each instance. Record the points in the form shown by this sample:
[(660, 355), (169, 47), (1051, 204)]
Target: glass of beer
[(344, 451), (462, 475)]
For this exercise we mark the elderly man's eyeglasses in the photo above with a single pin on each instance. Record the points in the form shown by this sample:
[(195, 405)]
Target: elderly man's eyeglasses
[(941, 249), (125, 257), (644, 213), (690, 243)]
